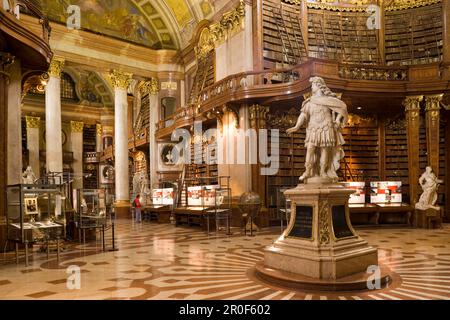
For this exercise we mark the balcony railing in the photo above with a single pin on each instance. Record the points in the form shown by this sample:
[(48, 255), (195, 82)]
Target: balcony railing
[(291, 81)]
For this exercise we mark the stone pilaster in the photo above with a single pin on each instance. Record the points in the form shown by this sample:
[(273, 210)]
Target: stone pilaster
[(412, 110)]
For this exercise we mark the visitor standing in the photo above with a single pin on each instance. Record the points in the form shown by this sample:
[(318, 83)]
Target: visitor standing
[(137, 208)]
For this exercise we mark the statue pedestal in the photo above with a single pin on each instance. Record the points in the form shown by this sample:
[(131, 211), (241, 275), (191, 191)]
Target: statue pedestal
[(428, 219), (320, 242)]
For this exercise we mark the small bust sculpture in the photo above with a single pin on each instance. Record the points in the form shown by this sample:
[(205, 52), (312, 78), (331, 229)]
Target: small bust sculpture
[(430, 184), (324, 116), (28, 177)]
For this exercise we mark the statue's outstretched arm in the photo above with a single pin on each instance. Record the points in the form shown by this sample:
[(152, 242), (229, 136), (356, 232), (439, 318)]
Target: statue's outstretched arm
[(301, 120)]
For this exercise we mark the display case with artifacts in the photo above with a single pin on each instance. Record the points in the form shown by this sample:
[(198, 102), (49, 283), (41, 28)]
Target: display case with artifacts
[(35, 214), (91, 211), (204, 202)]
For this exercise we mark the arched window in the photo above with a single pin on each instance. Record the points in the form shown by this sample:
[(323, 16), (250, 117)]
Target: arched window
[(68, 87)]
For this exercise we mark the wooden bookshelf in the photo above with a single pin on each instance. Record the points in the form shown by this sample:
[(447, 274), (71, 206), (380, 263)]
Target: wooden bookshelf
[(204, 77), (414, 36), (90, 145), (396, 160)]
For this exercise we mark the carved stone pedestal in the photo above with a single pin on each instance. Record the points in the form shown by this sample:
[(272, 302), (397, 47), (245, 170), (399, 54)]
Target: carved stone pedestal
[(428, 219), (320, 242)]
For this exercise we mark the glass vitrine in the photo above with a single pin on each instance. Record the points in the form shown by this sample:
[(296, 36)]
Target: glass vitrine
[(35, 213), (91, 210)]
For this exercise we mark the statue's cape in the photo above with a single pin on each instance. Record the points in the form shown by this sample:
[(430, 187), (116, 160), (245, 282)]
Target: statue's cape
[(335, 104)]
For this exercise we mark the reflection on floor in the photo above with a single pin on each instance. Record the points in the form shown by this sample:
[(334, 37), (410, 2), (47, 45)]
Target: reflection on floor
[(164, 262)]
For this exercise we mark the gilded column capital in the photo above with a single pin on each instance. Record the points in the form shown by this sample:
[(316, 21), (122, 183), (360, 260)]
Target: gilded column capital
[(433, 102), (56, 67), (150, 86), (76, 126), (99, 129), (258, 116), (33, 122), (412, 103), (120, 80)]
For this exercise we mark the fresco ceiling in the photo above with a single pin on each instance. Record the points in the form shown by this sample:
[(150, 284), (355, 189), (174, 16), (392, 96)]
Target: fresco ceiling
[(157, 24)]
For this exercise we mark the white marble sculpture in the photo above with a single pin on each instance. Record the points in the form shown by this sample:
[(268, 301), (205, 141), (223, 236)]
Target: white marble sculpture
[(28, 177), (430, 184), (324, 116), (169, 158)]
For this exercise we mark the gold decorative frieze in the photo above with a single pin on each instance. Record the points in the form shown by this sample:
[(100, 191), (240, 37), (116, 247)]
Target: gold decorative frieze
[(120, 79), (150, 87), (373, 73), (361, 5), (408, 4), (205, 44), (76, 126), (33, 122), (56, 67)]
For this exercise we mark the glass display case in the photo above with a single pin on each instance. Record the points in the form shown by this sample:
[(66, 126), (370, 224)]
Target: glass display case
[(91, 211), (35, 213)]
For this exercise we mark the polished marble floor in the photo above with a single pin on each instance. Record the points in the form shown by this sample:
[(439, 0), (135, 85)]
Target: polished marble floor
[(163, 262)]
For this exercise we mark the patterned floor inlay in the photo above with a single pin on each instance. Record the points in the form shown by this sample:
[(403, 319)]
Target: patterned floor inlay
[(163, 262)]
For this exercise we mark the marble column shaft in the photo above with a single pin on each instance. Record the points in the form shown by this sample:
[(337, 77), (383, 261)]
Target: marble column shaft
[(54, 148), (33, 127), (14, 147), (76, 139), (120, 83)]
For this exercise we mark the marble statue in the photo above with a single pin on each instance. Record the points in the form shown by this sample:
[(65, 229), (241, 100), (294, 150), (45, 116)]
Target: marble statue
[(140, 184), (136, 183), (169, 158), (28, 177), (430, 184), (324, 115)]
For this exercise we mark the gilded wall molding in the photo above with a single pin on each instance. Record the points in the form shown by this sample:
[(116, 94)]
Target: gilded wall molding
[(33, 122), (149, 87), (56, 67), (433, 106), (76, 126), (324, 227), (120, 80)]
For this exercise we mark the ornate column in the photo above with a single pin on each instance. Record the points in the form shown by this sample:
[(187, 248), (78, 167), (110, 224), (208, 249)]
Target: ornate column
[(14, 148), (412, 109), (151, 87), (432, 111), (33, 127), (76, 139), (258, 116), (54, 150), (120, 82)]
